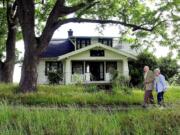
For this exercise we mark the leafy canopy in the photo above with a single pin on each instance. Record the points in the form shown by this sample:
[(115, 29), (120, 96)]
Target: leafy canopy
[(3, 31), (160, 18)]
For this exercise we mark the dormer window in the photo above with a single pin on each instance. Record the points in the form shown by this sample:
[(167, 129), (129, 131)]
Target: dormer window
[(105, 41), (82, 42)]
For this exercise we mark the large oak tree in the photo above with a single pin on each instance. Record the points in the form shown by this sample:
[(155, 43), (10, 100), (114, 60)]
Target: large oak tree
[(8, 30), (135, 16)]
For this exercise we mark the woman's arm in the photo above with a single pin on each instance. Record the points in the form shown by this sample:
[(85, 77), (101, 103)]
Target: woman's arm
[(163, 82)]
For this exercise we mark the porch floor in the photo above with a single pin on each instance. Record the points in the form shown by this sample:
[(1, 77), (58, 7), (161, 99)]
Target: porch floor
[(97, 82)]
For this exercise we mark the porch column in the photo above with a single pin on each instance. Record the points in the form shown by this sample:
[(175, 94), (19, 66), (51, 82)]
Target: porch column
[(84, 74), (68, 72), (125, 67), (105, 76)]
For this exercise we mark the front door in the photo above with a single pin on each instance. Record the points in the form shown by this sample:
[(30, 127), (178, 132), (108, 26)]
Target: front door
[(96, 70)]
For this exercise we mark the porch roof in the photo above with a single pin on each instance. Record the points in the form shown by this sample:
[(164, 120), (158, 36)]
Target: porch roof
[(120, 52)]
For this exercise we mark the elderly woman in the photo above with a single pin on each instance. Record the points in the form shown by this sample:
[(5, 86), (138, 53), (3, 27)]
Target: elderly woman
[(160, 86)]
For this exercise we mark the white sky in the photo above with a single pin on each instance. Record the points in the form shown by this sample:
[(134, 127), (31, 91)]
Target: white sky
[(85, 29)]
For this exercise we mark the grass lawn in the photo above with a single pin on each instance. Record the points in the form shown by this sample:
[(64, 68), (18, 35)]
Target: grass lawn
[(21, 120), (18, 118), (77, 95)]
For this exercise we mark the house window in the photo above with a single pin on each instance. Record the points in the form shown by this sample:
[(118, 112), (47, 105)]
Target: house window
[(97, 53), (77, 67), (105, 41), (82, 42), (110, 66), (53, 66)]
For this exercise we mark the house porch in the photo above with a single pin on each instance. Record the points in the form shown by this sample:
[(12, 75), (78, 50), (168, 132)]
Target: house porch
[(93, 72)]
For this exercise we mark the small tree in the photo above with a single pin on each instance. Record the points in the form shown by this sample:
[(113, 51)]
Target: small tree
[(168, 66), (136, 67), (119, 82)]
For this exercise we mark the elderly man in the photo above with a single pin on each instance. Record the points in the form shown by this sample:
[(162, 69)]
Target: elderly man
[(148, 86), (160, 86)]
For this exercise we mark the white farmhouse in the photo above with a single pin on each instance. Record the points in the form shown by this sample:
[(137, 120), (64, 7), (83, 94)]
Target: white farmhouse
[(89, 59)]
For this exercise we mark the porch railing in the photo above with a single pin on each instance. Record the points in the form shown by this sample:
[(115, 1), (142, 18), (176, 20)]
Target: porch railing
[(75, 78)]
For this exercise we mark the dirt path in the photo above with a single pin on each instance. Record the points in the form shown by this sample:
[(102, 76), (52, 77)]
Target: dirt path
[(107, 108)]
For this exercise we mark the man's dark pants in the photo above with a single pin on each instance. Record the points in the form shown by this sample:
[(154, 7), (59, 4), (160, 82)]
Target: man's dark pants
[(148, 97)]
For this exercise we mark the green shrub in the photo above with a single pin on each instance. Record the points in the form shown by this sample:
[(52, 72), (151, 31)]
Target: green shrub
[(77, 79), (55, 77), (175, 80), (120, 82), (168, 66)]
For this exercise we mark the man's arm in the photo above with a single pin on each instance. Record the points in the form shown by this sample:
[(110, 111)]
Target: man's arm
[(150, 78)]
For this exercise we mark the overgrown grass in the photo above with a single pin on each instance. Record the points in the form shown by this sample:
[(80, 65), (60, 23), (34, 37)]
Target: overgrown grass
[(37, 120), (76, 95), (32, 121)]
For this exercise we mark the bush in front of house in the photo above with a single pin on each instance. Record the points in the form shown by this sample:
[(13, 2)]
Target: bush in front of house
[(120, 82), (55, 77), (77, 79), (136, 67)]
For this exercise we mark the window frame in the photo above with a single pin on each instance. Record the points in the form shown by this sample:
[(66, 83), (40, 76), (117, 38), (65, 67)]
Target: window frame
[(82, 42), (80, 63), (114, 63), (97, 53), (106, 41), (48, 66)]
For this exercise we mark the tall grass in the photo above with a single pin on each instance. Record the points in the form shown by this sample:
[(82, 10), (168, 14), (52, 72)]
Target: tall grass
[(32, 121), (76, 95)]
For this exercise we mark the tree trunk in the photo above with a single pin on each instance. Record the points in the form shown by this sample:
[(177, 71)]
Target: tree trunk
[(26, 13), (1, 65), (8, 66), (28, 82)]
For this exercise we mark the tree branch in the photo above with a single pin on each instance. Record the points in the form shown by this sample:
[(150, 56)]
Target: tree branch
[(58, 11), (82, 20)]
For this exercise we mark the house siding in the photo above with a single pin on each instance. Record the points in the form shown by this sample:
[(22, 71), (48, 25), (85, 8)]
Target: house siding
[(42, 78)]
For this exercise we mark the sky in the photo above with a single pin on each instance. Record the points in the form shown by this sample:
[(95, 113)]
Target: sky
[(84, 29)]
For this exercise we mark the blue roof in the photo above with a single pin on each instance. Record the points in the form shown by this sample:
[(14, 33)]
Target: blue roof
[(57, 48)]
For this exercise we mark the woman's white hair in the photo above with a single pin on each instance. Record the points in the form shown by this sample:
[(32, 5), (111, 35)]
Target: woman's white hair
[(157, 70)]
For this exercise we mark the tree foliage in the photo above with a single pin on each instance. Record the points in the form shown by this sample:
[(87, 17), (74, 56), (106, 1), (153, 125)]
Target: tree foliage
[(136, 67), (167, 65), (3, 31)]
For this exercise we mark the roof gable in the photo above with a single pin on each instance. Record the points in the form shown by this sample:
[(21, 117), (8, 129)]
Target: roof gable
[(98, 45)]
